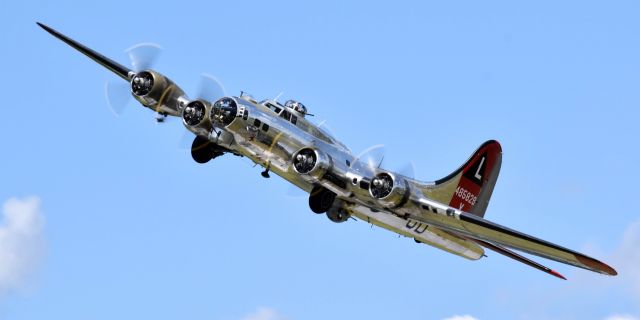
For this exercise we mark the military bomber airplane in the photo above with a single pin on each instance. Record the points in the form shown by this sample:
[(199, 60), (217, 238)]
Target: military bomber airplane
[(447, 213)]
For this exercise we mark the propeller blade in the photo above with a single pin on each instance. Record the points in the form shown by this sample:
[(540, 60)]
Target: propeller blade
[(373, 156), (408, 170), (143, 55), (117, 95), (369, 159), (211, 88)]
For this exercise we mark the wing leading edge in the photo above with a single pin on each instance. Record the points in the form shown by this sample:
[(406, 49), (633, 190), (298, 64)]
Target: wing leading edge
[(120, 70), (493, 233)]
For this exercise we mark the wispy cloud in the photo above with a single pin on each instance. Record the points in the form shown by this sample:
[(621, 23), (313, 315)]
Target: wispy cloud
[(465, 317), (599, 296), (21, 242), (627, 257), (264, 314)]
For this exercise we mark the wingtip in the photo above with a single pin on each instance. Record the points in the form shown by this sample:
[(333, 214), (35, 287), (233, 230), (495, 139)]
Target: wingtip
[(611, 271), (46, 28), (556, 274), (113, 66), (597, 265)]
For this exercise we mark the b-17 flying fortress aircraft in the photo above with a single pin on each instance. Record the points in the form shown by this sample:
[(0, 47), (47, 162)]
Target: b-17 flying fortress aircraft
[(447, 213)]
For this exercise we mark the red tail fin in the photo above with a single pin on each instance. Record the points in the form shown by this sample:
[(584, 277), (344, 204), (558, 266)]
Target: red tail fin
[(469, 188)]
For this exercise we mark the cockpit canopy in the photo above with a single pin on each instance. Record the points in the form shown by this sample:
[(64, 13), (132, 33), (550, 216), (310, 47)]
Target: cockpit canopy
[(296, 106)]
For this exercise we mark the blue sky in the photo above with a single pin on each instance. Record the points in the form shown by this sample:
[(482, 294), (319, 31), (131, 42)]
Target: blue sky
[(108, 217)]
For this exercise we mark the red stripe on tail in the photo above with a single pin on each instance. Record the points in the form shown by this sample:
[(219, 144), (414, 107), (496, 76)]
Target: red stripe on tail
[(476, 173)]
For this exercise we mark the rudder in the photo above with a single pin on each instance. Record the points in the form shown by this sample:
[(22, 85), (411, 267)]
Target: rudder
[(469, 188)]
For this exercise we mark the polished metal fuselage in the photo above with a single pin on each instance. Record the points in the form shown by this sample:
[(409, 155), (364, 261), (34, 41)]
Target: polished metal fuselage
[(262, 135)]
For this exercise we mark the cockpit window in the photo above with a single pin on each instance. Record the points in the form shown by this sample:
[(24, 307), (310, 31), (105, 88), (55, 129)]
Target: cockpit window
[(286, 115), (274, 108)]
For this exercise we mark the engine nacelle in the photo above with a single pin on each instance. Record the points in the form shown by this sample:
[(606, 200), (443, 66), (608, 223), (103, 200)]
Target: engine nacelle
[(223, 111), (338, 214), (157, 92), (195, 117), (311, 162), (388, 190)]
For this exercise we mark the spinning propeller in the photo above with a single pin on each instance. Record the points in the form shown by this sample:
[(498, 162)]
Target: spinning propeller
[(142, 57), (371, 161), (211, 90)]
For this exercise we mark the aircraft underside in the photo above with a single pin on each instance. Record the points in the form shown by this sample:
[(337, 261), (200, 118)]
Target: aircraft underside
[(447, 213)]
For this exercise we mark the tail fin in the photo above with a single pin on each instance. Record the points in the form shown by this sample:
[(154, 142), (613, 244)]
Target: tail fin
[(469, 188)]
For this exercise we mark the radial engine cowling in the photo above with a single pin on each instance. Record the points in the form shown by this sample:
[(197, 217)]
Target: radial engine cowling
[(156, 92), (195, 117), (388, 190), (224, 111), (311, 162)]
